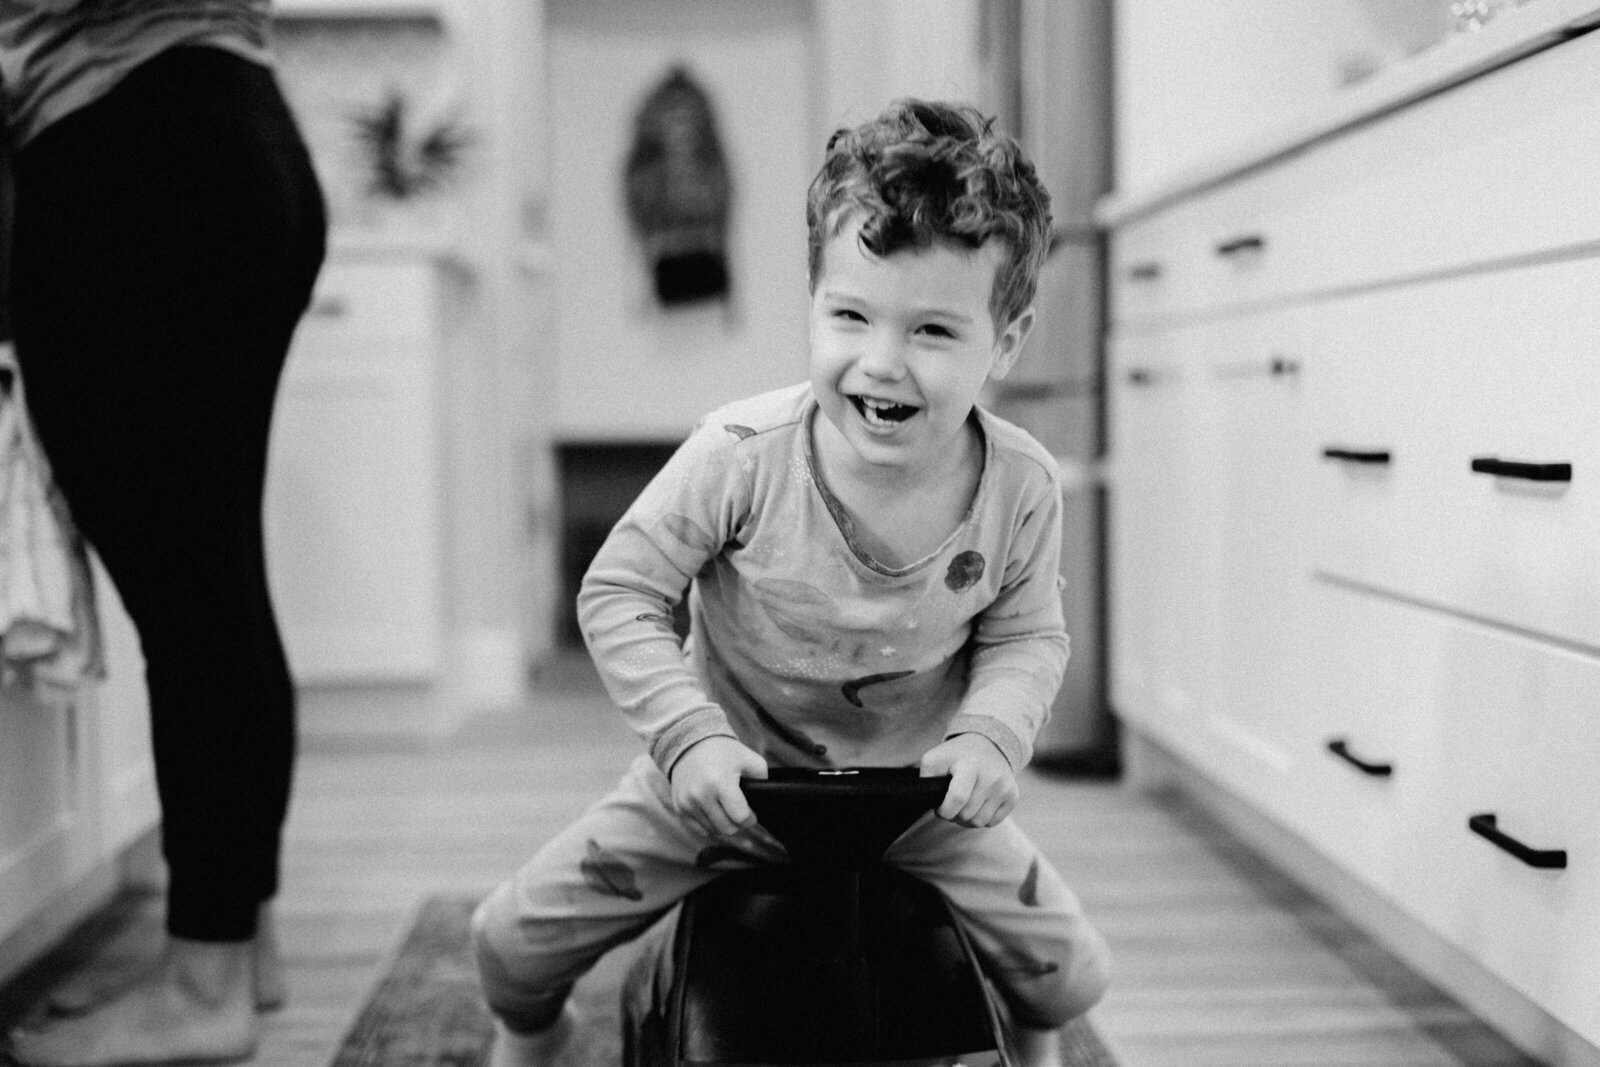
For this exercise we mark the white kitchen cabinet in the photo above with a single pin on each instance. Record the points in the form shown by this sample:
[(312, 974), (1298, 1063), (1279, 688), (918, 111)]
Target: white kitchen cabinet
[(1251, 373), (77, 788), (1461, 179), (46, 809), (1519, 747), (1353, 461), (354, 493), (1370, 757), (117, 727), (1162, 534), (1206, 540), (1443, 721), (1446, 377)]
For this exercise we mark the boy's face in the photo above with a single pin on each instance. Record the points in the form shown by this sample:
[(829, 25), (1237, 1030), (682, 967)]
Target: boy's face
[(901, 347)]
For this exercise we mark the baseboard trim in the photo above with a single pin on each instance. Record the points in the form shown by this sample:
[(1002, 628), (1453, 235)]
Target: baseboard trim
[(1151, 767), (45, 928)]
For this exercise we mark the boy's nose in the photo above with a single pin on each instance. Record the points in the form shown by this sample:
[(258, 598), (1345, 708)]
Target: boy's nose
[(884, 358)]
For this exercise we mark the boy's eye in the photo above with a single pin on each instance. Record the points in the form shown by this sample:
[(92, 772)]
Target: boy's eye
[(933, 329), (848, 315)]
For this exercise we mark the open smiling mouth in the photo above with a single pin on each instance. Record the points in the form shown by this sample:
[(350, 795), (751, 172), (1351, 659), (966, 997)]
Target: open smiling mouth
[(882, 412)]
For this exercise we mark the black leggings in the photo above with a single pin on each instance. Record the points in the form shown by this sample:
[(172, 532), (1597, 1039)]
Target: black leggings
[(166, 240)]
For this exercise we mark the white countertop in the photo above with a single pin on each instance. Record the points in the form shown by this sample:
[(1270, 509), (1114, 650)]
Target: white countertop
[(1514, 34)]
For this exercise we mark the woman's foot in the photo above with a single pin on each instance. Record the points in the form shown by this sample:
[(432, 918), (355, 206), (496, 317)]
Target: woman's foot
[(196, 1005), (266, 964), (538, 1048), (90, 989)]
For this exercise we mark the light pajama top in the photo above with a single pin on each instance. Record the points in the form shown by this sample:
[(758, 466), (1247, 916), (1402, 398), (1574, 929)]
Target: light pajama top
[(803, 646)]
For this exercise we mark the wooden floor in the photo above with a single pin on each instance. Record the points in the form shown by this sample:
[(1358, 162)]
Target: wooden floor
[(1219, 961)]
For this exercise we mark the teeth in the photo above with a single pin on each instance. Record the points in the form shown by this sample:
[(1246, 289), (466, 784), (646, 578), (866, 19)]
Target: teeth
[(884, 412)]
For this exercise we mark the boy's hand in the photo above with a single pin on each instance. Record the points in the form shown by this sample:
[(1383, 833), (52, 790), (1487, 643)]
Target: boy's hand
[(983, 789), (705, 785)]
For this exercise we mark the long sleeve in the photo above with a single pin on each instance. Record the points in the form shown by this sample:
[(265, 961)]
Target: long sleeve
[(1020, 644), (683, 518)]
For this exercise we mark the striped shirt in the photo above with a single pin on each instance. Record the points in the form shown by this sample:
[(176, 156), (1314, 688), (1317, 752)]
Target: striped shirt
[(58, 55)]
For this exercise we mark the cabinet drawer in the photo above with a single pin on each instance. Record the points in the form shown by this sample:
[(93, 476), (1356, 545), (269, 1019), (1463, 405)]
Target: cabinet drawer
[(1483, 173), (1410, 390), (1162, 528), (1487, 172), (1369, 741), (1215, 251), (1520, 750), (361, 307), (1471, 723)]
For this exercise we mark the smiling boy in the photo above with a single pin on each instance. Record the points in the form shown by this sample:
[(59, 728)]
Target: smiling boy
[(871, 560)]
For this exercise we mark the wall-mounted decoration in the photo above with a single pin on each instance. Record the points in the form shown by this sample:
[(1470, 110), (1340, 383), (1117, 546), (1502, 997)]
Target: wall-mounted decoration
[(402, 163), (678, 192), (334, 69)]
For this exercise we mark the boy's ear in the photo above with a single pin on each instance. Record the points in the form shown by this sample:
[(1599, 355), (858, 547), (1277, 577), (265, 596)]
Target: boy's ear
[(1009, 345)]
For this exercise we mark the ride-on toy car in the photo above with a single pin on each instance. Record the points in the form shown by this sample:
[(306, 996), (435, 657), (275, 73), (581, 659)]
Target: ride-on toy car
[(835, 958)]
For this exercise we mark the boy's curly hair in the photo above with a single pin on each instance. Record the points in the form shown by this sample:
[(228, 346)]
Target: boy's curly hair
[(925, 172)]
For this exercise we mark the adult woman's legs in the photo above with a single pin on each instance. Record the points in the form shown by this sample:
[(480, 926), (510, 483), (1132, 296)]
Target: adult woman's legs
[(167, 238)]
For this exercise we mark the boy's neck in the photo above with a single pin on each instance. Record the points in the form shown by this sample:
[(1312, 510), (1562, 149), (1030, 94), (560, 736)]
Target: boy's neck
[(898, 515)]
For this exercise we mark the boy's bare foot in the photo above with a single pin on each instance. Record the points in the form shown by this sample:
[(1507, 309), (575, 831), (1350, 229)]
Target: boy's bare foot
[(196, 1005), (540, 1048), (90, 989), (1038, 1048)]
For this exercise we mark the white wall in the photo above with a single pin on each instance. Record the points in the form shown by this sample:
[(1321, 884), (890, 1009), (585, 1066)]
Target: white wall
[(876, 50), (623, 367)]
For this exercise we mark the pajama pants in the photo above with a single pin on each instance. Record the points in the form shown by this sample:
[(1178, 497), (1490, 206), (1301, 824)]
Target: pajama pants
[(629, 858)]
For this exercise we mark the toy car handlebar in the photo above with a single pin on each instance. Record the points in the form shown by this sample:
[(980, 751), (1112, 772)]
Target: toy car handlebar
[(841, 817), (902, 782)]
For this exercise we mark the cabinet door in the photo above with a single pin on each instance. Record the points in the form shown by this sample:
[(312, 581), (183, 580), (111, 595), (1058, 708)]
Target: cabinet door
[(77, 783), (119, 708), (1162, 536), (1207, 561), (353, 496), (1256, 478), (46, 818)]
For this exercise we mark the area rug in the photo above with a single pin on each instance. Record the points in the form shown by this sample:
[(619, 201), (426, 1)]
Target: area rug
[(425, 1010)]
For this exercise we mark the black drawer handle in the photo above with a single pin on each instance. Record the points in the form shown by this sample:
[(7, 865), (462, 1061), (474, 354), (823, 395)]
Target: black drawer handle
[(1546, 859), (1253, 242), (1276, 367), (1533, 472), (1375, 456), (1148, 271), (1341, 748)]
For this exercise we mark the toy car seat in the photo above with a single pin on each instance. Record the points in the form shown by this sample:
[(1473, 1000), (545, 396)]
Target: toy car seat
[(836, 958)]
